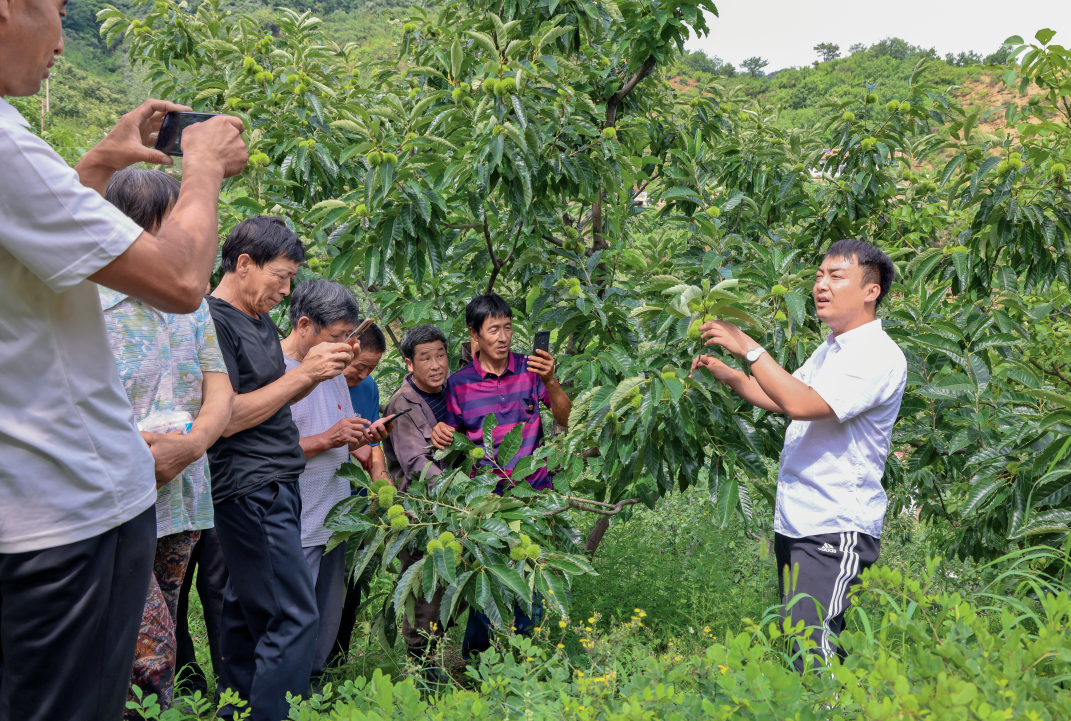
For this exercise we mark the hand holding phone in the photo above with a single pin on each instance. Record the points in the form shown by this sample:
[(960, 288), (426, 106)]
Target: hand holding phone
[(169, 138)]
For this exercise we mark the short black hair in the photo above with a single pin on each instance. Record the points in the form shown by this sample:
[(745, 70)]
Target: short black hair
[(263, 238), (483, 307), (372, 340), (144, 196), (877, 267), (420, 335), (323, 302)]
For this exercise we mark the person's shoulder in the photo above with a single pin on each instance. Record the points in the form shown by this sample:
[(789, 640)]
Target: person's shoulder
[(465, 374)]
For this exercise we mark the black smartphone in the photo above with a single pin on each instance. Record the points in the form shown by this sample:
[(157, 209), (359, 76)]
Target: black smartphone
[(542, 341), (390, 419), (169, 139)]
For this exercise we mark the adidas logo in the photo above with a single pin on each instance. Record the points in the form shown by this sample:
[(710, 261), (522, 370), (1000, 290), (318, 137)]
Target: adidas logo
[(826, 548)]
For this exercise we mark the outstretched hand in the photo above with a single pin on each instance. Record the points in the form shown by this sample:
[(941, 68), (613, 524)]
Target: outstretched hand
[(728, 336), (719, 370)]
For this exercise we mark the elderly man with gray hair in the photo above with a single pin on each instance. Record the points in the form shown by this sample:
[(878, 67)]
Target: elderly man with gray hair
[(324, 311)]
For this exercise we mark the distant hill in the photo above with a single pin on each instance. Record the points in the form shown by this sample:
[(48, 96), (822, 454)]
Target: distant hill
[(887, 66), (94, 84)]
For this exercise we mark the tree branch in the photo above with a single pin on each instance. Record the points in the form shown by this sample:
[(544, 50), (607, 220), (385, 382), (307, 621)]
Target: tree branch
[(1046, 371), (472, 226), (603, 509), (616, 98)]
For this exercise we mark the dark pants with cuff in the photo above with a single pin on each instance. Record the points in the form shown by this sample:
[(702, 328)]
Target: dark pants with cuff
[(269, 621), (207, 561), (69, 619), (829, 565)]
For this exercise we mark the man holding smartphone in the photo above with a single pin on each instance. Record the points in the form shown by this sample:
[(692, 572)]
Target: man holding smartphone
[(843, 403), (511, 386), (324, 311), (78, 483)]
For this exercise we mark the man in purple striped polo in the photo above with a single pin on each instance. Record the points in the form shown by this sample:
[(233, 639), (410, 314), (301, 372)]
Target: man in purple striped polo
[(508, 384), (511, 386)]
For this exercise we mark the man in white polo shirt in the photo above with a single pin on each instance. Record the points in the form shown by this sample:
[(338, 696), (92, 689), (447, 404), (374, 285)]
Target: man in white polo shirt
[(843, 403), (77, 481)]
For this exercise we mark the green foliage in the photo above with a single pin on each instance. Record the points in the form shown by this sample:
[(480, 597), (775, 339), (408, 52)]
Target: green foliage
[(424, 196), (916, 652)]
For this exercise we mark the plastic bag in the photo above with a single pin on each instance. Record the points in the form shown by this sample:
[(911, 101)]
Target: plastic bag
[(166, 421)]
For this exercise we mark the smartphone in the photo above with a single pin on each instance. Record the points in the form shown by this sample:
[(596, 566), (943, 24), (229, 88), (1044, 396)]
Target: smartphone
[(169, 139), (390, 419), (542, 341), (365, 325)]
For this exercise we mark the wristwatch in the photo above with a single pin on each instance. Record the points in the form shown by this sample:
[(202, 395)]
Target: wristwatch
[(753, 354)]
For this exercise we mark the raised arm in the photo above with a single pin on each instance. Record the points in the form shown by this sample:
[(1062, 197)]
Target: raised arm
[(169, 270), (542, 363), (324, 361), (780, 391)]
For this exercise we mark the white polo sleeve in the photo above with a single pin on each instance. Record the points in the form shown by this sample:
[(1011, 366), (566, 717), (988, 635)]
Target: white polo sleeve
[(852, 383), (62, 231)]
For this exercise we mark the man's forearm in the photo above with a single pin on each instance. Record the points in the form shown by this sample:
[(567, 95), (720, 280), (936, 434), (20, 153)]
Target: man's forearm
[(217, 398), (379, 464), (792, 396), (314, 445), (748, 388), (560, 404), (252, 409), (190, 233)]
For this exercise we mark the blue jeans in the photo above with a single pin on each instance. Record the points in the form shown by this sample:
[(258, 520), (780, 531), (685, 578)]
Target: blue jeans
[(478, 631)]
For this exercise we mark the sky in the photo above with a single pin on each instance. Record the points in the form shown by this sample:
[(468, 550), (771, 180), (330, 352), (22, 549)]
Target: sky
[(786, 31)]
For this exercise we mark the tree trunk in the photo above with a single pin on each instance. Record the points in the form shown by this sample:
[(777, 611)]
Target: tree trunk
[(595, 537)]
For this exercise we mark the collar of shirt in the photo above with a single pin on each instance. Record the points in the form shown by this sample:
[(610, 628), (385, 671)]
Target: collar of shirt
[(511, 366), (110, 298), (9, 115), (855, 334)]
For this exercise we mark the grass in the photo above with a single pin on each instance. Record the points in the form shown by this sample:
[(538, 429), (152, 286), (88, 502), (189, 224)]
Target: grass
[(693, 580)]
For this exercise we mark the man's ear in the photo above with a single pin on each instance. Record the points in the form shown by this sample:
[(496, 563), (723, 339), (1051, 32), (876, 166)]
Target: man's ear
[(873, 290), (5, 10), (241, 266), (408, 365)]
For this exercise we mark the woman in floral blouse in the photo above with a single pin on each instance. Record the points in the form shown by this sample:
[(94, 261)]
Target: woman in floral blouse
[(167, 362)]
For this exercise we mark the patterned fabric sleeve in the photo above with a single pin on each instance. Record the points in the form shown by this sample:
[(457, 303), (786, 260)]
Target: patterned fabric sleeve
[(208, 353)]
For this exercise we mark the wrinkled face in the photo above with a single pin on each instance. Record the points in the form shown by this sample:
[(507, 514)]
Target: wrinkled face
[(495, 337), (262, 288), (31, 36), (363, 364), (428, 366), (308, 335), (840, 293)]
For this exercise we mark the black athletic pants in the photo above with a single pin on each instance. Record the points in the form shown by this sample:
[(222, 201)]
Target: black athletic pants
[(828, 566), (69, 620), (269, 621), (207, 561)]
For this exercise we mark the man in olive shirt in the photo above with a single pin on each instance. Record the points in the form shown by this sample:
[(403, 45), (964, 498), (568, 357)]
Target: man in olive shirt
[(269, 622)]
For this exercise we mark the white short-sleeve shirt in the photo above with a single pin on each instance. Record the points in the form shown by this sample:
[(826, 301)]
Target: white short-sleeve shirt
[(72, 464), (830, 475), (320, 486)]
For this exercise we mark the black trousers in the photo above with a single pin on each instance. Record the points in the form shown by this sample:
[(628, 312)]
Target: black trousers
[(207, 561), (814, 576), (341, 649), (269, 620), (69, 620)]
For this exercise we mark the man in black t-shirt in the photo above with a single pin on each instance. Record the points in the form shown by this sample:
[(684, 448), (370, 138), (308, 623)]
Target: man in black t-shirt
[(269, 621)]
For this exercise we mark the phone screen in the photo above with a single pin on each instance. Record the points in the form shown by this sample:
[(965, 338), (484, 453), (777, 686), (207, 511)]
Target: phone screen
[(169, 139)]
